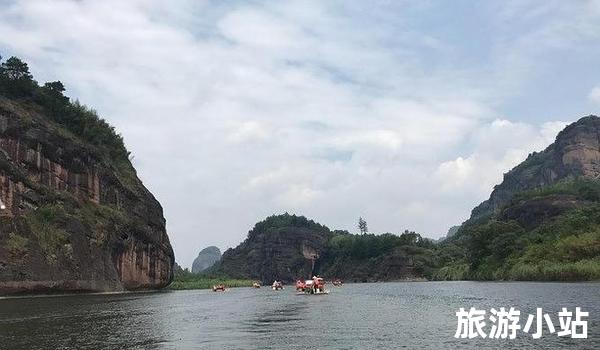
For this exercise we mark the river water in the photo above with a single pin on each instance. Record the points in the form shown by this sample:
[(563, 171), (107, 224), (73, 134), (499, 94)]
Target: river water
[(356, 316)]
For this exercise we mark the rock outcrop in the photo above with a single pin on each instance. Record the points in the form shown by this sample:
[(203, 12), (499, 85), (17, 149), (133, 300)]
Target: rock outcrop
[(75, 219), (533, 212), (281, 247), (206, 258), (575, 153)]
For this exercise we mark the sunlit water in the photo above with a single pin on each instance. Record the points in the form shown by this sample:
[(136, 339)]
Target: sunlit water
[(355, 316)]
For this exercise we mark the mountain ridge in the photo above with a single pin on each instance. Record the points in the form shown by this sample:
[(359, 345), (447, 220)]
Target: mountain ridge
[(542, 221), (575, 152)]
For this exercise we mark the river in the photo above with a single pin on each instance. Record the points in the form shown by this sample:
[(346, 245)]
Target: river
[(356, 316)]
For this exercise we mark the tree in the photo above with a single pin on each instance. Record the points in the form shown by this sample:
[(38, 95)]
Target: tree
[(15, 78), (410, 237), (51, 97), (55, 87), (362, 226), (15, 69)]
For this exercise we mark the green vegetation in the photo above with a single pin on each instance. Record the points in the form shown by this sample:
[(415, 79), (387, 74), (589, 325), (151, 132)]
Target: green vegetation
[(45, 224), (563, 245), (207, 283), (585, 189), (365, 246), (563, 248), (454, 272), (367, 257), (273, 223), (184, 279), (16, 245), (582, 270), (567, 258), (102, 220), (16, 82)]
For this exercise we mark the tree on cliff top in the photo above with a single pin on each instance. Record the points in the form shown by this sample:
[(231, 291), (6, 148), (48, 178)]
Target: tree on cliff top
[(15, 78), (362, 226), (274, 222), (16, 82)]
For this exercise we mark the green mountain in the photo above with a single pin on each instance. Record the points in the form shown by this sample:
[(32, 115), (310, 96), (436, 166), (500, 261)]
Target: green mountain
[(288, 247), (77, 217), (542, 222)]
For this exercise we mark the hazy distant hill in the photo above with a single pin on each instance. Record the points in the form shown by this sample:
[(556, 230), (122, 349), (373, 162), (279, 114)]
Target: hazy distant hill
[(452, 231), (206, 258)]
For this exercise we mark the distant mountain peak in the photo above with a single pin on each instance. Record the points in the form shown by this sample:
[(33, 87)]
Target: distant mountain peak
[(211, 249), (206, 258)]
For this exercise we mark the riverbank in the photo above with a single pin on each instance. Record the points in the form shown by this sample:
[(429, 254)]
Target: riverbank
[(202, 282), (76, 294)]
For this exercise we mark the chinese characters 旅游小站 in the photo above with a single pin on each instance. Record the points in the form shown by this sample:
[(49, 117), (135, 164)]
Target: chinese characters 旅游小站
[(505, 324)]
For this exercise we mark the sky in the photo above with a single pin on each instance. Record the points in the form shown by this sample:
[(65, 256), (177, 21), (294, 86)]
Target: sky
[(405, 113)]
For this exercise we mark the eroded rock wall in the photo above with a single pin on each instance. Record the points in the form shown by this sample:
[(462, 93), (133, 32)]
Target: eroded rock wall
[(75, 219)]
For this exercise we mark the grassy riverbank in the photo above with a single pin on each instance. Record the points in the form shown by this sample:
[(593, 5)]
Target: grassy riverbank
[(187, 280)]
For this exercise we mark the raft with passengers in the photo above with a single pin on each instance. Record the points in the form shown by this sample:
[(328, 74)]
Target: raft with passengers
[(219, 288), (314, 286)]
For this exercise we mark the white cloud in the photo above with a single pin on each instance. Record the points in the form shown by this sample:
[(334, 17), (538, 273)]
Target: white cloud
[(261, 30), (477, 173), (594, 95), (248, 131)]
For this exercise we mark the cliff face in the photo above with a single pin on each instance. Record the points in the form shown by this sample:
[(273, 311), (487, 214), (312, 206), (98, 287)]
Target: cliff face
[(76, 220), (206, 258), (280, 247), (542, 222), (575, 153)]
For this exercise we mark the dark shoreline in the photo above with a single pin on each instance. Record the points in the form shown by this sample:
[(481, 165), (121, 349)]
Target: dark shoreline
[(168, 290)]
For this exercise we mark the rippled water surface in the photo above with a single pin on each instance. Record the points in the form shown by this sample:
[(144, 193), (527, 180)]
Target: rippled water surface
[(355, 316)]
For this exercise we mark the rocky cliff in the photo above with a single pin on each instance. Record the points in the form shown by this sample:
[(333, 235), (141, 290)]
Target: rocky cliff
[(281, 247), (542, 222), (76, 219), (206, 258), (575, 153)]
